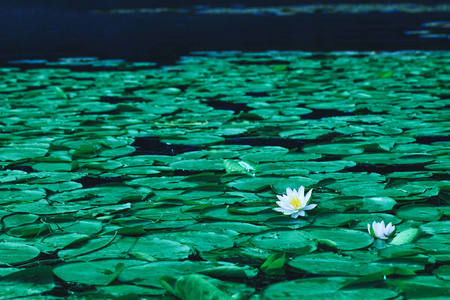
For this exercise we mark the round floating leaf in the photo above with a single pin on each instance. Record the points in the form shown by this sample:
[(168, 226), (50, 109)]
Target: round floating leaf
[(161, 249), (19, 196), (443, 272), (19, 219), (369, 204), (439, 243), (85, 227), (345, 239), (193, 287), (419, 212), (436, 227), (414, 159), (87, 247), (137, 171), (42, 207), (15, 154), (102, 195), (292, 241), (323, 288), (372, 190), (166, 213), (224, 214), (53, 167), (28, 283), (425, 287), (239, 227), (60, 241), (328, 263), (149, 274), (251, 184), (202, 241), (122, 151), (346, 218), (198, 165), (206, 191), (29, 230), (100, 272), (162, 183), (294, 182), (334, 149), (11, 253)]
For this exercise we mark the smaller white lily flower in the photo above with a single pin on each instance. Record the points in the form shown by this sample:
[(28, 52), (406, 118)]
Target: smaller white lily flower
[(379, 230), (295, 202)]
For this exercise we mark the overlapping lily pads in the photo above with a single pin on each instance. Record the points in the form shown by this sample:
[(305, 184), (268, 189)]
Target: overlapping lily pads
[(133, 180)]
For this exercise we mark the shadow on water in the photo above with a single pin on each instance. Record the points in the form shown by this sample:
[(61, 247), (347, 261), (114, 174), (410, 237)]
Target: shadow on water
[(153, 146)]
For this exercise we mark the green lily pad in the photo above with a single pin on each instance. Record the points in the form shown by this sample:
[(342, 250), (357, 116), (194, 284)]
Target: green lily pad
[(322, 288), (100, 272), (291, 241), (149, 274), (438, 243), (419, 212), (200, 240), (11, 253), (29, 283), (19, 196), (345, 239), (425, 286), (20, 153), (328, 263), (369, 204)]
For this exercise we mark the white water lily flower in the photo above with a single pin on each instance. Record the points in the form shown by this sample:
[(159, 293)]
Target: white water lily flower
[(295, 202), (379, 230)]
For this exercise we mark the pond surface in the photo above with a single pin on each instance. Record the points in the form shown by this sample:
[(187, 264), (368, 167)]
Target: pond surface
[(130, 179), (122, 173), (165, 31)]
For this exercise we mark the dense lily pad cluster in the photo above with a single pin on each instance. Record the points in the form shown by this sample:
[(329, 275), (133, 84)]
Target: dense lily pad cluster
[(126, 179)]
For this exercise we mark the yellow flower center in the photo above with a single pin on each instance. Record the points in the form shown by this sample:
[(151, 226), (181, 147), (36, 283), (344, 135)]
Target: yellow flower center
[(295, 202)]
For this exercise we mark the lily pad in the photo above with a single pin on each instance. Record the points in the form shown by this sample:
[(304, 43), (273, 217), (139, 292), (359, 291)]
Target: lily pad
[(291, 241), (322, 288), (11, 253)]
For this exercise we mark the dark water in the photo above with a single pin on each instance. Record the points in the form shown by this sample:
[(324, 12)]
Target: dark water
[(54, 29)]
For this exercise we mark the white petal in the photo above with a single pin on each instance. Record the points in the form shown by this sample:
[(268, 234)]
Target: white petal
[(289, 192), (301, 195), (374, 224), (393, 229), (295, 215), (386, 230), (285, 205), (368, 228), (382, 225), (301, 213), (282, 198), (284, 210), (309, 207), (379, 232), (307, 196), (389, 229), (280, 209)]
